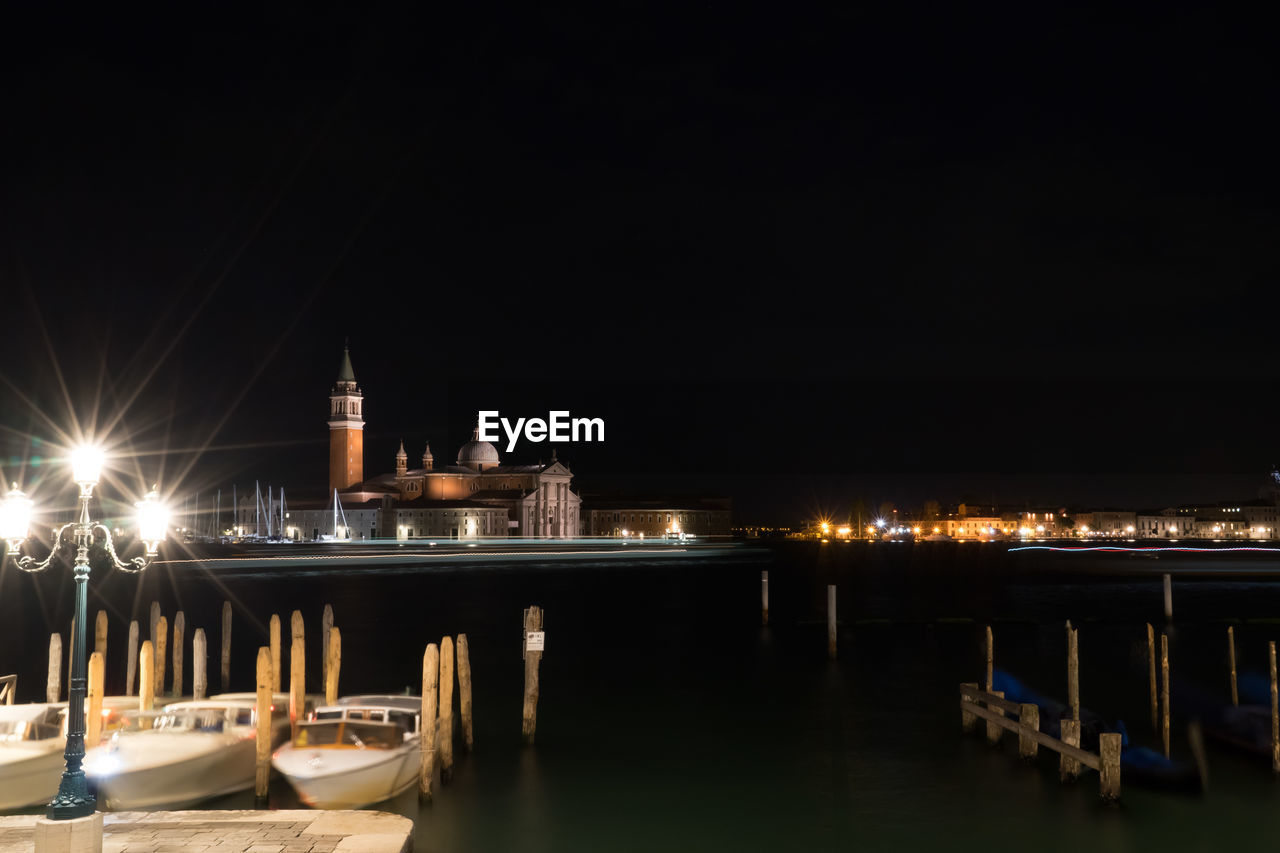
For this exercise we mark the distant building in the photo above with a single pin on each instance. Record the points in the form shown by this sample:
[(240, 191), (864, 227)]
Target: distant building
[(655, 518), (1107, 522)]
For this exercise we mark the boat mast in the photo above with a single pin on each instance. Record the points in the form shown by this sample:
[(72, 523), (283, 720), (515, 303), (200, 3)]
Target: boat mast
[(257, 508)]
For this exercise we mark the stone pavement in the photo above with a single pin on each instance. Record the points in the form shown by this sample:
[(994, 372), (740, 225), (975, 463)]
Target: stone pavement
[(297, 831)]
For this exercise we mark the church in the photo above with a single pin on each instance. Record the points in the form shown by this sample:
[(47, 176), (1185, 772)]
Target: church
[(476, 496)]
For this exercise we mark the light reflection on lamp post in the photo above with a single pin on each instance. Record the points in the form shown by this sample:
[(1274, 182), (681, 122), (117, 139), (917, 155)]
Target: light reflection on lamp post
[(73, 799)]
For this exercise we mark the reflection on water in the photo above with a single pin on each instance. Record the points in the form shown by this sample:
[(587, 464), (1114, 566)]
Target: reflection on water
[(669, 719)]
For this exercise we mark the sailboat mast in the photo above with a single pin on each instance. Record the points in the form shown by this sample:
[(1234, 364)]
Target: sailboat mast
[(257, 508)]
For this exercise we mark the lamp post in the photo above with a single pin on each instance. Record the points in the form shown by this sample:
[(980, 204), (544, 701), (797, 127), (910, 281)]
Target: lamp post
[(73, 799)]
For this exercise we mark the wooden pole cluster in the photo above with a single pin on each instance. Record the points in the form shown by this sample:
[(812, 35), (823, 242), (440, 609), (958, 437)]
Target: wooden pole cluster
[(430, 680), (333, 665), (532, 622), (131, 671), (93, 710), (262, 766), (764, 597), (275, 652), (464, 691), (179, 629), (979, 704), (199, 665), (445, 736), (53, 689), (1164, 691), (162, 644), (1151, 666), (1231, 661), (831, 621), (226, 646)]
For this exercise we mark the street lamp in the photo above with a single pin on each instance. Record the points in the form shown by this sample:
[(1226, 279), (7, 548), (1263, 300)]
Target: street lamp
[(73, 799)]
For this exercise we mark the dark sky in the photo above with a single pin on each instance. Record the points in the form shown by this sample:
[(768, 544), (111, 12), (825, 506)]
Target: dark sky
[(791, 255)]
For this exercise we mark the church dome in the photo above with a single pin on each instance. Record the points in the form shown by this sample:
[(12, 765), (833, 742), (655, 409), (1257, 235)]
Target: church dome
[(478, 454)]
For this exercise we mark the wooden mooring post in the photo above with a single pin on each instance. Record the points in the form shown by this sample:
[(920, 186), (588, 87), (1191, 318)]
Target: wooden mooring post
[(297, 631), (100, 634), (1029, 717), (430, 679), (179, 630), (529, 726), (131, 666), (1151, 666), (53, 688), (1275, 714), (1231, 662), (1168, 598), (199, 665), (993, 729), (445, 735), (333, 666), (968, 719), (275, 652), (1068, 767), (1164, 691), (262, 765), (831, 621), (991, 658), (93, 710), (764, 597), (146, 680), (161, 647), (326, 625), (1073, 670), (297, 683), (1109, 771), (155, 619), (226, 647), (464, 691)]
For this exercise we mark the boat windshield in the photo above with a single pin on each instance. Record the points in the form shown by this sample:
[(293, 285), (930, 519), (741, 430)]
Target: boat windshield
[(349, 733), (13, 731), (212, 720)]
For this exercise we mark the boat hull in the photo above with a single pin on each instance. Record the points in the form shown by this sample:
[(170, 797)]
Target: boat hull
[(29, 776), (222, 766), (348, 778)]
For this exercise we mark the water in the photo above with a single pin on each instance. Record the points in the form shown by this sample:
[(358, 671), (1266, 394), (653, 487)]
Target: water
[(669, 719)]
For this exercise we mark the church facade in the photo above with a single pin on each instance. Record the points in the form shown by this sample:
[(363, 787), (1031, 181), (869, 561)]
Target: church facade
[(474, 496)]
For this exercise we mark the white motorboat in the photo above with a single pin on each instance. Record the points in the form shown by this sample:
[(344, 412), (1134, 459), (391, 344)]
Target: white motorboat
[(363, 750), (33, 739), (187, 752)]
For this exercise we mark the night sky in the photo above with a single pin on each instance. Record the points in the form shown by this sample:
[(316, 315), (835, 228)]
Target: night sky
[(791, 256)]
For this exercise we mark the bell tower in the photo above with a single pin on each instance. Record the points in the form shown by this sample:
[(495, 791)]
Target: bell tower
[(346, 428)]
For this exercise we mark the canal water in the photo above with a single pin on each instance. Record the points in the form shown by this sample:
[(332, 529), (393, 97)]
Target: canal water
[(670, 719)]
